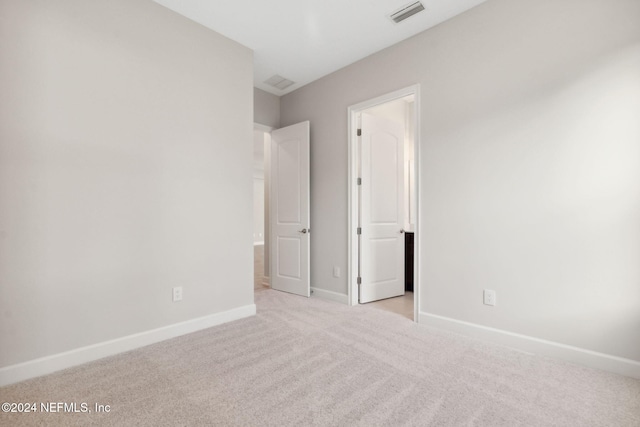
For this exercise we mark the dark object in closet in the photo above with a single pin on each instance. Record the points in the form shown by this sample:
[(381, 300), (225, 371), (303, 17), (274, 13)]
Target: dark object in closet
[(408, 261)]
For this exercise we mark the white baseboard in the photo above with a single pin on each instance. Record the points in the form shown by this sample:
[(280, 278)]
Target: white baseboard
[(581, 356), (46, 365), (329, 295)]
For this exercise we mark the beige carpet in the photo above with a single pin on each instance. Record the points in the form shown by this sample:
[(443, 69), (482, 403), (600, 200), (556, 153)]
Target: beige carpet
[(303, 362)]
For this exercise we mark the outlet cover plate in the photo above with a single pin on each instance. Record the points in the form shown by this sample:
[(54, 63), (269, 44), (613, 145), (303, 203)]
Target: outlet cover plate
[(177, 294), (489, 297)]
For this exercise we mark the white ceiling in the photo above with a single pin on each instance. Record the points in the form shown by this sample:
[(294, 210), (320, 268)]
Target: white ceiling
[(304, 40)]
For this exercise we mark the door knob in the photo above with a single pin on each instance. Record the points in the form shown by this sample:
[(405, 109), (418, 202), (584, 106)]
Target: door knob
[(402, 231), (304, 231)]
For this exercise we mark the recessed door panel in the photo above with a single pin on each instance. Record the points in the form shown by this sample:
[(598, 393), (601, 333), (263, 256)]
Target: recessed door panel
[(383, 260), (288, 159), (384, 148), (290, 257)]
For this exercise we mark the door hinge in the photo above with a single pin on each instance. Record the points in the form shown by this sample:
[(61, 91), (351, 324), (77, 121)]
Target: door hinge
[(359, 181), (359, 132), (359, 230), (359, 280)]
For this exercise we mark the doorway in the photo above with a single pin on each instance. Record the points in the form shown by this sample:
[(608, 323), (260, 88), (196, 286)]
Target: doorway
[(383, 202)]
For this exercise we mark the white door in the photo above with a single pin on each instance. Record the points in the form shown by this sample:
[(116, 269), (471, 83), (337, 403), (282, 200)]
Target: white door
[(289, 211), (381, 209)]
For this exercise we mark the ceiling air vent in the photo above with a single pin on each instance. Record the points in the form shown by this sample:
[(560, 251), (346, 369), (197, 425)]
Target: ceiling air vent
[(406, 12), (279, 82)]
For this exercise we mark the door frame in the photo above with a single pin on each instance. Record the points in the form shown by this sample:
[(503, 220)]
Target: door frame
[(352, 121), (267, 198)]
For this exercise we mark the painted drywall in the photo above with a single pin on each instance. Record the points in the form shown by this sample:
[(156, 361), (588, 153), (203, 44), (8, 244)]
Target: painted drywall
[(266, 108), (530, 167), (125, 170)]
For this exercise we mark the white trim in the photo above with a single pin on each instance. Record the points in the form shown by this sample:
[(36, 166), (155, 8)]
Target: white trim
[(258, 243), (329, 295), (352, 122), (266, 172), (581, 356), (263, 128), (46, 365)]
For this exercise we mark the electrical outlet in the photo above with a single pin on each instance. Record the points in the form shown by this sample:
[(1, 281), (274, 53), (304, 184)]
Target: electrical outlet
[(177, 294), (489, 297), (336, 271)]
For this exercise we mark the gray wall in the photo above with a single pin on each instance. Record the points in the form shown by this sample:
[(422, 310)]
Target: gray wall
[(530, 167), (125, 170), (266, 108)]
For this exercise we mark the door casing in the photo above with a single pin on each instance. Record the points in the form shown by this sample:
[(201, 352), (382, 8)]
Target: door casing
[(266, 130), (353, 159)]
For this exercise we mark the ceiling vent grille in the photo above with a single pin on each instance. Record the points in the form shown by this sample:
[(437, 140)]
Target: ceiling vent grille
[(279, 82), (406, 12)]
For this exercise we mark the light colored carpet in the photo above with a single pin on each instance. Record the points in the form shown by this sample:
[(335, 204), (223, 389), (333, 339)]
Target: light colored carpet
[(304, 362)]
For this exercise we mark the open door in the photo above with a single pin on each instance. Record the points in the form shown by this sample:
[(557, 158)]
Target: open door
[(289, 210), (382, 209)]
